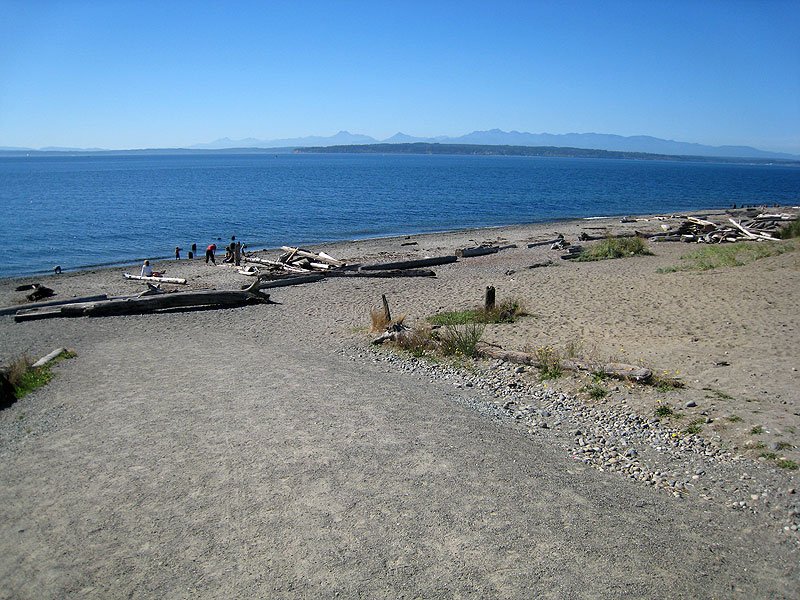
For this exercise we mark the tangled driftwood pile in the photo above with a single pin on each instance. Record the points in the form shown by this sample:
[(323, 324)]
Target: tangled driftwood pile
[(760, 227)]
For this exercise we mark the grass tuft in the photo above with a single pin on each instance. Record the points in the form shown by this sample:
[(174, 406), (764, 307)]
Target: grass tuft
[(461, 339), (595, 391), (758, 429), (615, 248), (505, 312), (664, 411), (785, 463)]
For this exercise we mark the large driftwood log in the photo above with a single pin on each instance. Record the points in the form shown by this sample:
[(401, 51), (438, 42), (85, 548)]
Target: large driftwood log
[(263, 282), (179, 280), (411, 264), (386, 274), (616, 370), (10, 310), (147, 304), (479, 251)]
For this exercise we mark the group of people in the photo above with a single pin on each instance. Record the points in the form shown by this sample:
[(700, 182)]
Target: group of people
[(233, 254)]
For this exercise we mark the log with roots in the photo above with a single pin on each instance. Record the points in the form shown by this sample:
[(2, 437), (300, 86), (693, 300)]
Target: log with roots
[(616, 370), (147, 304)]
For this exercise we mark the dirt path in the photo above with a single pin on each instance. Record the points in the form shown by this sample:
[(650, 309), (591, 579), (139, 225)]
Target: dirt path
[(186, 456)]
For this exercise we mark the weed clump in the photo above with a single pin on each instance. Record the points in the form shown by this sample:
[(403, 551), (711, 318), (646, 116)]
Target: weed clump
[(664, 411), (615, 248), (548, 361)]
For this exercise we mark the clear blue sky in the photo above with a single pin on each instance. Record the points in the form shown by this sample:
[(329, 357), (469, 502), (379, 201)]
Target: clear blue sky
[(134, 74)]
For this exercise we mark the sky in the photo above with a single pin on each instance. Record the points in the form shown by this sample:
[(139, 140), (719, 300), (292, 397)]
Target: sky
[(142, 74)]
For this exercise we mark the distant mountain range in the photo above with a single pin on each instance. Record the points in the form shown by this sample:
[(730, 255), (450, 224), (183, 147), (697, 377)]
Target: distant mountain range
[(591, 141), (492, 137)]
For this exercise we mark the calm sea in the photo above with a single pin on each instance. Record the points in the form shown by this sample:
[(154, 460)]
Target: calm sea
[(85, 211)]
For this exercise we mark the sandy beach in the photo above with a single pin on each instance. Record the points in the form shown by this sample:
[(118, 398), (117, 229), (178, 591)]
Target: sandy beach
[(271, 451)]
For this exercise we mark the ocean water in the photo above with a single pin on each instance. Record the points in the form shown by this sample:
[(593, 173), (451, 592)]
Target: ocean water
[(85, 211)]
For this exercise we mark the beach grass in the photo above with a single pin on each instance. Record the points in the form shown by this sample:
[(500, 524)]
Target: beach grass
[(727, 255), (790, 231), (505, 312), (615, 248)]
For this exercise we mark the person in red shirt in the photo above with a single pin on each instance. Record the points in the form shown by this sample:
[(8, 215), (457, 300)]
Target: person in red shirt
[(210, 253)]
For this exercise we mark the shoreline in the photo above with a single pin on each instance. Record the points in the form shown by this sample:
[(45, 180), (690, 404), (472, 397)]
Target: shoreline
[(567, 221)]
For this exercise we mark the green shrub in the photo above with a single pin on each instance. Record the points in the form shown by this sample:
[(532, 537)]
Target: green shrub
[(615, 248), (792, 230)]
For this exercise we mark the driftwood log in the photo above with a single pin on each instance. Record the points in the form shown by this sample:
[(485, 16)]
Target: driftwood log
[(263, 282), (410, 264), (49, 357), (10, 310), (178, 280), (479, 251), (385, 274), (147, 304), (616, 370)]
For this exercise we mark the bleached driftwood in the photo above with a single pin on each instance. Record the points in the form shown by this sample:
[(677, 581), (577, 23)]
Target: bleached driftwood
[(750, 234), (46, 359), (178, 280), (322, 257), (276, 264)]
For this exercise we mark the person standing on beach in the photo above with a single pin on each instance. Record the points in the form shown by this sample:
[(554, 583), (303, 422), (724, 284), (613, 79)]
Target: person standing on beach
[(194, 249), (210, 254), (237, 254), (177, 253)]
